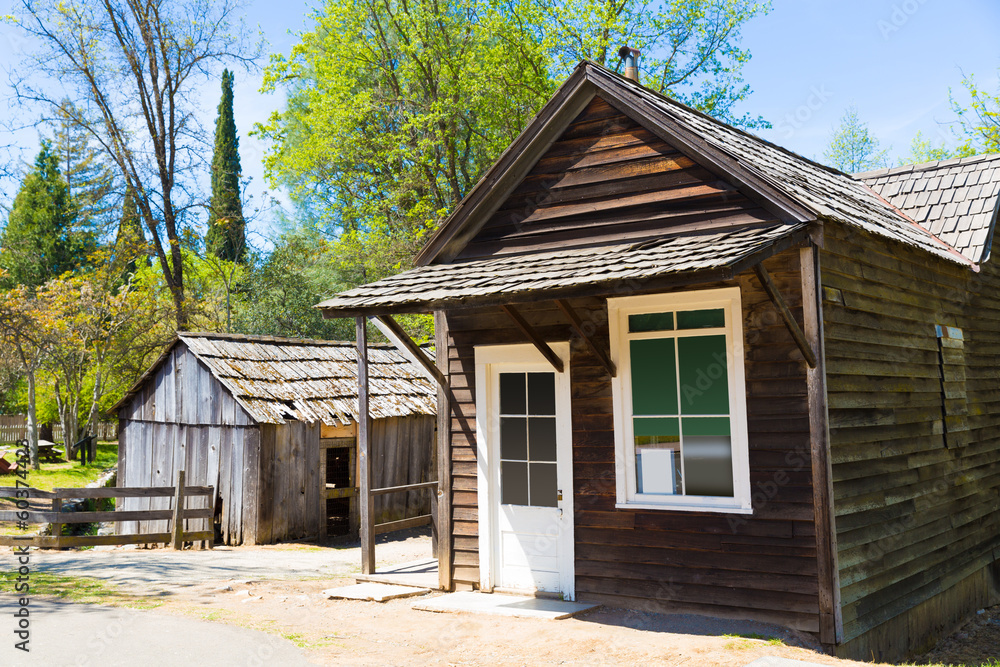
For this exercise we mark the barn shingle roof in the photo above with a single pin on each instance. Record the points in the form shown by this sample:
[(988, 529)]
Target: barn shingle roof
[(279, 379), (954, 199)]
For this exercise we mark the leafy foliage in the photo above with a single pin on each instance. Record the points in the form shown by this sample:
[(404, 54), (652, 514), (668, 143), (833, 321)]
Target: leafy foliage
[(923, 150), (226, 236), (853, 148), (979, 122), (691, 48)]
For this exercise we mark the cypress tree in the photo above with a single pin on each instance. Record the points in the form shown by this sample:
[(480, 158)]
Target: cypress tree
[(226, 237)]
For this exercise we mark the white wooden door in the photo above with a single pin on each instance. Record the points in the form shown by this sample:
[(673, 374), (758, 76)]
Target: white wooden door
[(526, 471)]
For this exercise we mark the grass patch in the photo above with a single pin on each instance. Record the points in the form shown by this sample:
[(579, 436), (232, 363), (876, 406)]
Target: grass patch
[(84, 590), (69, 474), (742, 641)]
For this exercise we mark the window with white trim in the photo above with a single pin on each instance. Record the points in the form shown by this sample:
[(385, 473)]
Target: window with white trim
[(680, 401)]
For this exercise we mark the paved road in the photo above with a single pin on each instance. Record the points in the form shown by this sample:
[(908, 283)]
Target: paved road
[(64, 634)]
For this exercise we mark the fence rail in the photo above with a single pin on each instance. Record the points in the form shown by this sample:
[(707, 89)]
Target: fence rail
[(177, 515), (15, 427)]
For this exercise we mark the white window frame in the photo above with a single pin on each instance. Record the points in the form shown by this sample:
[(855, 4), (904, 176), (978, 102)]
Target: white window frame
[(619, 309)]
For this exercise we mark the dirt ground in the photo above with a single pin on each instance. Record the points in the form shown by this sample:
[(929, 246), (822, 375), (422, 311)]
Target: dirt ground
[(344, 632)]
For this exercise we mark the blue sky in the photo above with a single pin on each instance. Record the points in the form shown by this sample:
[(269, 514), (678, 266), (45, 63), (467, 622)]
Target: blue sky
[(894, 59)]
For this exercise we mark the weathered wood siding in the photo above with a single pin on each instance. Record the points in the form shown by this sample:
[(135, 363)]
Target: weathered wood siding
[(288, 483), (402, 453), (184, 419), (761, 566), (916, 491), (608, 180)]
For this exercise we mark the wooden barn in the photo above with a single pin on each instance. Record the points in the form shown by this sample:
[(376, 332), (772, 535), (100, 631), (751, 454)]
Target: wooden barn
[(271, 423), (686, 370)]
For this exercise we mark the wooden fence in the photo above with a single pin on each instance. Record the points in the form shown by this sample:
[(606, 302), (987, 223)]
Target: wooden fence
[(15, 427), (177, 515)]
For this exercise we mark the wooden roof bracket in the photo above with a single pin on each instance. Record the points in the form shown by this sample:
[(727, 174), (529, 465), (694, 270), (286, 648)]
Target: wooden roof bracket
[(577, 325), (786, 313), (535, 339), (408, 348)]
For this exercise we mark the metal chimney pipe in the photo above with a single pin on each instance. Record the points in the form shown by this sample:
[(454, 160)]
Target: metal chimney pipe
[(631, 58)]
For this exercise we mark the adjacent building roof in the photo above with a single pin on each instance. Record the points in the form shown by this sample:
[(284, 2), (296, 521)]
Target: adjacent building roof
[(954, 199), (280, 379)]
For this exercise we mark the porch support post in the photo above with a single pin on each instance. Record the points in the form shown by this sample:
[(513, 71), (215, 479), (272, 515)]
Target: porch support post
[(535, 339), (831, 621), (365, 501), (574, 320), (409, 349), (444, 532), (786, 314)]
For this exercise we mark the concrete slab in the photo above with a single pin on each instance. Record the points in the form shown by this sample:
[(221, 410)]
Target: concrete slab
[(771, 661), (374, 592), (503, 605), (420, 573)]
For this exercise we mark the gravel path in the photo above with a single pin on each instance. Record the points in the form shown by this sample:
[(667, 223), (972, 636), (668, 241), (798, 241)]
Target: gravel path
[(165, 569)]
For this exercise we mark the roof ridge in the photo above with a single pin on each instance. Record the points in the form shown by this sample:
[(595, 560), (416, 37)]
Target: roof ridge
[(720, 123), (925, 166)]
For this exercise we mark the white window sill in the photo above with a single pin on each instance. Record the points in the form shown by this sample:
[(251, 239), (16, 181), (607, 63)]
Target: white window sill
[(721, 509)]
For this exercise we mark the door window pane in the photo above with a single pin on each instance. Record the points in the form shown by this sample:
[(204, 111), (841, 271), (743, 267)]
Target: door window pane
[(654, 377), (542, 436), (512, 396), (513, 483), (541, 393), (704, 375), (514, 438), (528, 439), (544, 487)]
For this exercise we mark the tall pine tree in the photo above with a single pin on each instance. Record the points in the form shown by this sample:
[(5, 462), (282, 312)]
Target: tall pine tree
[(226, 237), (42, 239), (85, 168)]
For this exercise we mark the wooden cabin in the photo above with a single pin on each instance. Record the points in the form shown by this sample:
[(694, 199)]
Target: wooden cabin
[(686, 370), (271, 423)]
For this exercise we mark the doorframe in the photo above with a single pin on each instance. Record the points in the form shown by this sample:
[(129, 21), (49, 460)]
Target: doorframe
[(490, 358)]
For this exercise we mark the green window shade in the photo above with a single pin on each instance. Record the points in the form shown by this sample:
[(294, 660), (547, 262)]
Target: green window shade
[(651, 322), (654, 376), (667, 426), (706, 426), (704, 375), (701, 319)]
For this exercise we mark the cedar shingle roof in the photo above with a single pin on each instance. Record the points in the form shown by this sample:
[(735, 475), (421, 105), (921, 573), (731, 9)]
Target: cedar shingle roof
[(279, 379), (513, 275), (826, 192), (954, 199)]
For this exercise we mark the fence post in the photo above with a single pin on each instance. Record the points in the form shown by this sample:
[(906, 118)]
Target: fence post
[(178, 527), (57, 527)]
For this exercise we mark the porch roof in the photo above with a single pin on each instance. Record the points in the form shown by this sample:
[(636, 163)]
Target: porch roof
[(632, 267)]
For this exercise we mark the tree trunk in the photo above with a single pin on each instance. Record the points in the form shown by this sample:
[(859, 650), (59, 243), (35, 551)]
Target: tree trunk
[(95, 397), (32, 422)]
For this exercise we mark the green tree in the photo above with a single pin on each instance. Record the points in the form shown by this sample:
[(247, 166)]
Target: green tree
[(89, 178), (853, 148), (691, 48), (226, 237), (133, 68), (978, 126), (922, 150), (393, 112), (279, 295), (42, 239)]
